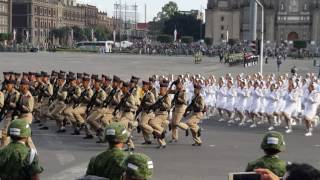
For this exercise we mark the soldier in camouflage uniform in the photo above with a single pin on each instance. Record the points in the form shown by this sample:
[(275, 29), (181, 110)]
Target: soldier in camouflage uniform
[(17, 161), (109, 164), (138, 166), (11, 99), (272, 144)]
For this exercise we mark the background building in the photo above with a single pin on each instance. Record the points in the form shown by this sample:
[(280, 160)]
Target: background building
[(5, 16), (285, 20)]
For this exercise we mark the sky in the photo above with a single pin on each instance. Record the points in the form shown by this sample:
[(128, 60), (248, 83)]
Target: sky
[(153, 6)]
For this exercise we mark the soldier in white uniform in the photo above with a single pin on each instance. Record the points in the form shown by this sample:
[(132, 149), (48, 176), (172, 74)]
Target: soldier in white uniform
[(311, 104), (221, 98), (272, 98), (291, 100)]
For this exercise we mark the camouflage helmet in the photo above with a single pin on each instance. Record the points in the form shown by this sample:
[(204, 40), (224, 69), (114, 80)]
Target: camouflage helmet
[(273, 140), (138, 166), (19, 128), (116, 133)]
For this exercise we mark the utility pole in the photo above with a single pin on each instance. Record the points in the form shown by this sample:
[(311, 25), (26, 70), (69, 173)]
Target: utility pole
[(253, 20)]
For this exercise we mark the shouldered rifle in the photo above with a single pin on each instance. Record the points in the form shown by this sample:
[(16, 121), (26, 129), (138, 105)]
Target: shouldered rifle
[(5, 107), (175, 99), (41, 92), (142, 106), (71, 92), (122, 102), (109, 99)]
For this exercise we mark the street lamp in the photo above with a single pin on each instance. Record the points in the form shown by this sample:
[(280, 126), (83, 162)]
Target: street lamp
[(262, 35)]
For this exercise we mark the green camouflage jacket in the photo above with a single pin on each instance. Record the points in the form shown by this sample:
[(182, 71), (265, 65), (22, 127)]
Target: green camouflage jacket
[(273, 163)]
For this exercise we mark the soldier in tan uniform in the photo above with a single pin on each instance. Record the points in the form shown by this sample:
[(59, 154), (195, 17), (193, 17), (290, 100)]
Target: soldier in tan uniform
[(96, 114), (25, 106), (80, 106), (197, 107), (1, 100), (59, 105), (37, 95), (180, 104), (146, 115), (136, 90), (74, 93), (46, 93), (106, 83), (127, 108), (160, 108), (112, 100), (11, 99), (153, 88)]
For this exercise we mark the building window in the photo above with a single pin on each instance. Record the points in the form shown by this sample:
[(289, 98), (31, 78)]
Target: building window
[(3, 8), (222, 18), (222, 36), (222, 28)]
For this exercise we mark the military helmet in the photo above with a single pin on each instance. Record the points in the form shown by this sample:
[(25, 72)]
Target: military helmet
[(116, 133), (273, 140), (19, 128), (139, 166)]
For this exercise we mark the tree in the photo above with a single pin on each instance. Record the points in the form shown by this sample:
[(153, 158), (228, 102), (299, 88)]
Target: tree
[(186, 25), (101, 33), (78, 34)]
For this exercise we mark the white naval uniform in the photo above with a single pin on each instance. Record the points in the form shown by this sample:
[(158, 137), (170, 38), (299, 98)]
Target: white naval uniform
[(311, 104), (257, 97), (272, 101), (291, 101), (231, 97), (243, 95), (221, 97)]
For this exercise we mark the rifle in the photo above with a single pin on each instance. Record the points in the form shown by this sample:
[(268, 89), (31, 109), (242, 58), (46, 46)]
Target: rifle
[(122, 102), (189, 108), (159, 101), (78, 101), (54, 95), (5, 107), (41, 92), (175, 99), (92, 103), (17, 110), (142, 106), (109, 99), (71, 92)]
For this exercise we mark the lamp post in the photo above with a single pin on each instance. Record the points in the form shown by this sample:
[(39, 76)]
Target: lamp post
[(262, 35)]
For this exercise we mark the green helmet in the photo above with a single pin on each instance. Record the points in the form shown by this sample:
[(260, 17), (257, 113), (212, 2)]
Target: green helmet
[(273, 140), (19, 128), (116, 133), (139, 166)]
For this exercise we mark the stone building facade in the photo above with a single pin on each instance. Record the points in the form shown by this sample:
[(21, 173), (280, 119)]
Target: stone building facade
[(5, 16), (285, 20), (33, 19)]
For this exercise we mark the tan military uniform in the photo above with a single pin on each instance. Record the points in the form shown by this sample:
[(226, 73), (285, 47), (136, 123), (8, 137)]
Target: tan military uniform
[(37, 105), (14, 98), (97, 113), (58, 107), (127, 115), (108, 116), (44, 104), (180, 105), (68, 111), (161, 118), (80, 111), (27, 105), (196, 116), (146, 117)]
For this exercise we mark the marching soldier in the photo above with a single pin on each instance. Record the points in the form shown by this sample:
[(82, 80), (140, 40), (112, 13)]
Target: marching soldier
[(113, 99), (272, 144), (43, 101), (81, 106), (161, 109), (146, 115), (109, 164), (11, 99), (74, 93), (153, 88), (127, 108), (180, 104), (197, 108), (106, 83), (136, 90), (96, 113), (59, 104), (17, 160)]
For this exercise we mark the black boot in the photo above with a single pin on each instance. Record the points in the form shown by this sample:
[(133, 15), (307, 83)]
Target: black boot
[(187, 132), (88, 137), (199, 132)]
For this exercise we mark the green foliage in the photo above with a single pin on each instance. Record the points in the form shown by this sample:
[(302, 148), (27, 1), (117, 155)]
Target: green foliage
[(187, 39), (186, 25), (6, 36), (101, 33), (208, 41), (164, 38), (300, 44)]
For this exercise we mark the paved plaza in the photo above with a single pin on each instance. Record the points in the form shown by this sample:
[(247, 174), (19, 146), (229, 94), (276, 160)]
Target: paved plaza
[(225, 149)]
